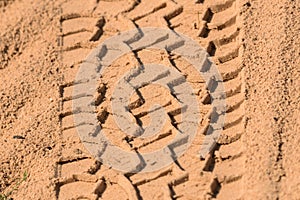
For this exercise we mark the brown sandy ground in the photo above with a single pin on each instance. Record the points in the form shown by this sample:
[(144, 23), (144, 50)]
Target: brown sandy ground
[(255, 46), (272, 76)]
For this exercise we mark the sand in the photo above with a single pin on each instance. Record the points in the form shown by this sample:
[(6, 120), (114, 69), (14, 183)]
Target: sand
[(253, 45)]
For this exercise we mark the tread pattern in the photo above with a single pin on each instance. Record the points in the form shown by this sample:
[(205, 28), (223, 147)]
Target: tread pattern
[(215, 26), (78, 176), (222, 31)]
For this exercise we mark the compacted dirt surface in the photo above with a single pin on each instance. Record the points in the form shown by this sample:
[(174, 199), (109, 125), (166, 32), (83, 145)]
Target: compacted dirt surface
[(255, 46)]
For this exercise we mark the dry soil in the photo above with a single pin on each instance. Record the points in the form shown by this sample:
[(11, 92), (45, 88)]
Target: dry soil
[(255, 46)]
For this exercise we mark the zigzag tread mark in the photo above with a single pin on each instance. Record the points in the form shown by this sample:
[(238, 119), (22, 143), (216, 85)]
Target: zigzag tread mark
[(226, 34)]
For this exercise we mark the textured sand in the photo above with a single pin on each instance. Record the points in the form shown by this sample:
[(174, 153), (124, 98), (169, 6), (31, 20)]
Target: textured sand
[(255, 46)]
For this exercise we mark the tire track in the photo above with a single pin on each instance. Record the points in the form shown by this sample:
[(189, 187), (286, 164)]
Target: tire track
[(222, 31), (174, 188), (78, 176), (84, 28)]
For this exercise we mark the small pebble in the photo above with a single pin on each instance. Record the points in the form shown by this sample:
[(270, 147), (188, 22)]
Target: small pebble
[(18, 137)]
